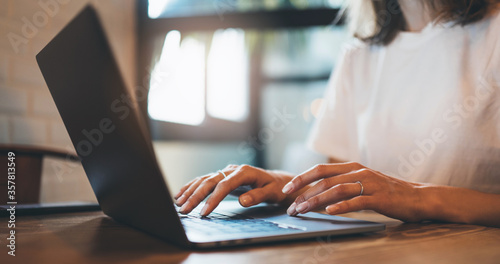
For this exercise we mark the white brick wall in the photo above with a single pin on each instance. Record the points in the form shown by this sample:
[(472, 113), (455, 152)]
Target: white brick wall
[(43, 104), (28, 115), (29, 131), (4, 130), (3, 69), (24, 97), (4, 11), (25, 70), (13, 101), (58, 136)]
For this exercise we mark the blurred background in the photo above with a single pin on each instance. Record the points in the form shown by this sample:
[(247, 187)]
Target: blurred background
[(220, 81)]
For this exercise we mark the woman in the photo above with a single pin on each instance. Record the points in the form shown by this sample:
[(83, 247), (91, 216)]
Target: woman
[(417, 101)]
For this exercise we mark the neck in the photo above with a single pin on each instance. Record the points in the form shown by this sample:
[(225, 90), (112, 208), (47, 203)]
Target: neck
[(416, 15)]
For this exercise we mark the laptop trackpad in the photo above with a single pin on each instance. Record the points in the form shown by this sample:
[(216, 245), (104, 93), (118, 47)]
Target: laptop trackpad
[(277, 213)]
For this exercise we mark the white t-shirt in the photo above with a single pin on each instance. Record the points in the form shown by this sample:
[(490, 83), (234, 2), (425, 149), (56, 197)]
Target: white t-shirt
[(425, 108)]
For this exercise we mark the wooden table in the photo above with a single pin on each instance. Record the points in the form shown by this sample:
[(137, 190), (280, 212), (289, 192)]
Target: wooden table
[(92, 237)]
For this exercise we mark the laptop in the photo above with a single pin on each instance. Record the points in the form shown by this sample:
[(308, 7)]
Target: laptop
[(118, 156)]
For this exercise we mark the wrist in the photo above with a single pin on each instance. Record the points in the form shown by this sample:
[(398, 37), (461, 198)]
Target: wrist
[(441, 203), (429, 204)]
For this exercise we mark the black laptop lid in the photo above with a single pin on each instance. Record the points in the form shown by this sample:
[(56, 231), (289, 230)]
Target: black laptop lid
[(117, 155)]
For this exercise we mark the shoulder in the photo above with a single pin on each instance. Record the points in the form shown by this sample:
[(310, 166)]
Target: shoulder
[(495, 17), (493, 22), (356, 59), (479, 41), (356, 52), (493, 53), (356, 48), (491, 43), (359, 59), (489, 27)]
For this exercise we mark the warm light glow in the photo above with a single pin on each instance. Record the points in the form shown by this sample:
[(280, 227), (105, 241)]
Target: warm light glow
[(177, 83), (227, 91), (156, 7)]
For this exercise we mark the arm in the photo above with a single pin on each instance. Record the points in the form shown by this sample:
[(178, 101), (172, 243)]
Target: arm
[(338, 190), (461, 205)]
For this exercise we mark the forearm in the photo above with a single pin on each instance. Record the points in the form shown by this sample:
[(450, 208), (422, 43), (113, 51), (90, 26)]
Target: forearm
[(460, 205)]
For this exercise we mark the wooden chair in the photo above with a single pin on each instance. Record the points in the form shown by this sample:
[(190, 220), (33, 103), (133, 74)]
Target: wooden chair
[(28, 171)]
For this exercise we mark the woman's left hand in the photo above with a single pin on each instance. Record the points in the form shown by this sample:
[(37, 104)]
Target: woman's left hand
[(339, 188)]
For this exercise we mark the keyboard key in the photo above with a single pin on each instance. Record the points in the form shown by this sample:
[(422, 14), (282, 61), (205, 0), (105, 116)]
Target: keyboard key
[(234, 223)]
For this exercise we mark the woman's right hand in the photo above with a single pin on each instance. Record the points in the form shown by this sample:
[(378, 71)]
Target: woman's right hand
[(267, 186)]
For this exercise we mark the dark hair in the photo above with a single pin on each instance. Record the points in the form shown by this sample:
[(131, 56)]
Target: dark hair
[(389, 20)]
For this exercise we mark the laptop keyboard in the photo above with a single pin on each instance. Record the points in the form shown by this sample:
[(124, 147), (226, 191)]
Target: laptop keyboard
[(217, 223)]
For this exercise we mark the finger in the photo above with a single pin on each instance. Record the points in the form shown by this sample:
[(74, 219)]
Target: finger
[(227, 170), (355, 204), (244, 175), (318, 172), (259, 195), (325, 184), (184, 188), (192, 188), (230, 167), (203, 190), (183, 198), (333, 195)]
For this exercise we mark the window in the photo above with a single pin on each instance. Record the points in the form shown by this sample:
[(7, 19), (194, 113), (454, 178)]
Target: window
[(227, 93), (225, 68), (180, 92), (177, 8), (177, 86)]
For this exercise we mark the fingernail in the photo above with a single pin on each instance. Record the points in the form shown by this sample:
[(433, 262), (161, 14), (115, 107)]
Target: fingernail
[(303, 207), (291, 209), (204, 210), (177, 195), (181, 200), (184, 207), (332, 209), (288, 187), (246, 200)]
